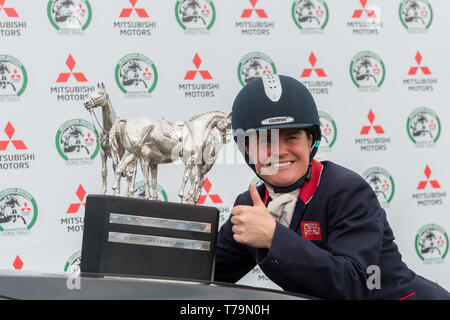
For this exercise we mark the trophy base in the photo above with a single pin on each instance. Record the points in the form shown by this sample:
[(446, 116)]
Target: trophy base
[(136, 237)]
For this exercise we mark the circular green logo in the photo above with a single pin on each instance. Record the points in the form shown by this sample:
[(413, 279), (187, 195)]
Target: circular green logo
[(72, 265), (415, 14), (367, 70), (77, 139), (139, 190), (13, 76), (381, 183), (18, 210), (195, 15), (310, 14), (136, 74), (431, 243), (423, 126), (329, 130), (69, 14), (254, 65)]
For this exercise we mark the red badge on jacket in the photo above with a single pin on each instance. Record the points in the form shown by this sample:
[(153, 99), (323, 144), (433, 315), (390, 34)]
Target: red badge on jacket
[(311, 230)]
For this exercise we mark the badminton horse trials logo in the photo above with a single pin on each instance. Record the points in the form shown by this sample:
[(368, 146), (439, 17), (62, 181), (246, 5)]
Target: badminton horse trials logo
[(431, 243), (381, 183), (367, 70), (423, 127), (18, 212), (254, 65), (73, 264), (136, 75), (77, 142), (415, 15), (329, 131), (13, 78), (139, 190), (310, 15), (69, 15), (195, 15)]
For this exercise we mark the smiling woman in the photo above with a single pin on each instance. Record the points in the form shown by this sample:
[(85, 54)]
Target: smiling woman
[(312, 227)]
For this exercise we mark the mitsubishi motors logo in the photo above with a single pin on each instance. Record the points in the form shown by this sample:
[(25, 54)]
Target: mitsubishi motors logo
[(126, 12), (65, 90), (366, 139), (307, 71), (73, 219), (254, 21), (319, 85), (190, 75), (215, 198), (366, 20), (17, 144), (359, 12), (202, 87), (81, 194), (64, 76), (429, 191), (15, 156), (10, 12), (377, 128), (413, 70), (248, 12), (134, 21), (419, 76), (18, 263), (423, 184)]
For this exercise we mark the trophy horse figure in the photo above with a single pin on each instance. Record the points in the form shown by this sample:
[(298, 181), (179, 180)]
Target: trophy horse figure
[(160, 142), (100, 98)]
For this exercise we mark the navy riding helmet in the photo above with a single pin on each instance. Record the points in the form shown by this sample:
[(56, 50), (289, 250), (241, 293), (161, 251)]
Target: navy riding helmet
[(276, 102)]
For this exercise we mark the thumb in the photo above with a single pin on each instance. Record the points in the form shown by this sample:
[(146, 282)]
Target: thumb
[(257, 202)]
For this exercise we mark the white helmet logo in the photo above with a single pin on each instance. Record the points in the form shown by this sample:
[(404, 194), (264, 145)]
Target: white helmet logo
[(272, 86)]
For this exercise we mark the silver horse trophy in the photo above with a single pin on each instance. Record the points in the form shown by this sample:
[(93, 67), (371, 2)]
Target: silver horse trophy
[(151, 142)]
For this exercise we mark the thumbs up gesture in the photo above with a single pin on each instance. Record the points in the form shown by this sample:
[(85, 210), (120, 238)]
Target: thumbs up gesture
[(253, 225)]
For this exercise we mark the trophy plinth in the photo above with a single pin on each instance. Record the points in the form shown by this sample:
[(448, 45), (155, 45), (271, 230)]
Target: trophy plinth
[(137, 237)]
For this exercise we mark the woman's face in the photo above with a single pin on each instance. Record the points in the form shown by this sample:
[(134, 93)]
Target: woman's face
[(283, 162)]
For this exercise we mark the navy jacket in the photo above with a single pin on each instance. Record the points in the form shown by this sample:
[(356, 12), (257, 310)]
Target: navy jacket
[(337, 231)]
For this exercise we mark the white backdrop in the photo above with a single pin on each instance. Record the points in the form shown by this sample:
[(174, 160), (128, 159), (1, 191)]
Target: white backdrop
[(377, 69)]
